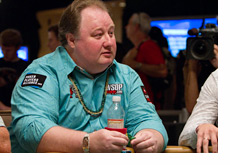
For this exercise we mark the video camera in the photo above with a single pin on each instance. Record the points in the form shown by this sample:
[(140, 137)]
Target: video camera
[(201, 47)]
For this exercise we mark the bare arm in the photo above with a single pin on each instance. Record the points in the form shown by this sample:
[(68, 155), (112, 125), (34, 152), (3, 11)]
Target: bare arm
[(149, 69), (59, 139), (5, 146), (154, 70), (191, 92)]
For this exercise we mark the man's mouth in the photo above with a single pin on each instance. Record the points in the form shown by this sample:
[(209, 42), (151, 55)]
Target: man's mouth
[(107, 53)]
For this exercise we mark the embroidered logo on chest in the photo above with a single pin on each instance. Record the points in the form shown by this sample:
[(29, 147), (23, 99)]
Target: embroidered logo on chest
[(72, 91), (114, 89)]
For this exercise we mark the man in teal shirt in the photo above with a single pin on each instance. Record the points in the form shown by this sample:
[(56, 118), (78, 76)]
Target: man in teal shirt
[(62, 99)]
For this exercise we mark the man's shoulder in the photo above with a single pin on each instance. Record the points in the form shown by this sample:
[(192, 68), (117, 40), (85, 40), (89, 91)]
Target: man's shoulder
[(123, 68)]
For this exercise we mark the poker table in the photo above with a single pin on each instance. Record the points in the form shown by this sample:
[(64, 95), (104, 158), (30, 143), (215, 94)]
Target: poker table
[(6, 115), (176, 149)]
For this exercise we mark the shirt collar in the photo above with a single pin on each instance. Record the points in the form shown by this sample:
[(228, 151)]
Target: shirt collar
[(70, 65)]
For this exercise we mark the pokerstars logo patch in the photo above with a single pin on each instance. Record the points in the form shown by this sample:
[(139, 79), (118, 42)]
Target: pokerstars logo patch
[(145, 94), (114, 89)]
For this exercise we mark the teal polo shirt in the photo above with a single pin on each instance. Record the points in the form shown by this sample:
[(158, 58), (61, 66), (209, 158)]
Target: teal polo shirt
[(44, 97)]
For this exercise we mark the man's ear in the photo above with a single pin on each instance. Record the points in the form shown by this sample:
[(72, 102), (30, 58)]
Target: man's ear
[(70, 39)]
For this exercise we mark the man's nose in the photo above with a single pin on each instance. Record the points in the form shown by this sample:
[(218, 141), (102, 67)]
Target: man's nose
[(108, 40)]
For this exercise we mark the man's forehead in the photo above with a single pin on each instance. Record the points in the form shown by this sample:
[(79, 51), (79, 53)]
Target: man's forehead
[(94, 16)]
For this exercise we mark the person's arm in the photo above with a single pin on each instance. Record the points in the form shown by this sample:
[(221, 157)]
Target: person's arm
[(59, 139), (142, 120), (191, 90), (149, 69), (5, 146), (205, 113)]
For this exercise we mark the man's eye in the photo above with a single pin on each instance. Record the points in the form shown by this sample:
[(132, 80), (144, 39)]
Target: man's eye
[(98, 35), (111, 33)]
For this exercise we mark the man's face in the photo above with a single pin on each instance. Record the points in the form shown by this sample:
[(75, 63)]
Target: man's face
[(9, 52), (95, 47), (53, 41)]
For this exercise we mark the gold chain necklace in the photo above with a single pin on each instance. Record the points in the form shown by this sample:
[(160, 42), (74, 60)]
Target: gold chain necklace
[(92, 113)]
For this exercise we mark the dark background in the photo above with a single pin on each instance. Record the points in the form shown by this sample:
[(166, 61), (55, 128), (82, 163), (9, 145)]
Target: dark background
[(21, 14)]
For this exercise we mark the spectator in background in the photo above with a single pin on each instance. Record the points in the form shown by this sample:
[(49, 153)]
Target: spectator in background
[(200, 128), (53, 40), (156, 34), (170, 81), (146, 57), (4, 138), (11, 66), (195, 74)]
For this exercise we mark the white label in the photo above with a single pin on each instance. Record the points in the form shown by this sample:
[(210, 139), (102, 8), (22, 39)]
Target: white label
[(116, 123)]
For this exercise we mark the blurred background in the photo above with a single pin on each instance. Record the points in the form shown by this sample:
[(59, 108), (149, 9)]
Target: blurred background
[(33, 17)]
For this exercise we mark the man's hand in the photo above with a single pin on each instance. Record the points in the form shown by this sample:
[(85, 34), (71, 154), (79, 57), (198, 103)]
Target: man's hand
[(214, 61), (148, 140), (206, 132), (5, 145), (107, 141)]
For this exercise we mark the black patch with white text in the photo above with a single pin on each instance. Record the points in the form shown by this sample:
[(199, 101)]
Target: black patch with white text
[(36, 80)]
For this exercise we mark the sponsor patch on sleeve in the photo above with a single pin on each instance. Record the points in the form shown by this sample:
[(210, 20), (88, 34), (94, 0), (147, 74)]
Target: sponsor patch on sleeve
[(35, 80), (145, 94)]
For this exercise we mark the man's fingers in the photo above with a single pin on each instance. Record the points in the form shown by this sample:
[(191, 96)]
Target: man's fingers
[(199, 144), (205, 144), (214, 141)]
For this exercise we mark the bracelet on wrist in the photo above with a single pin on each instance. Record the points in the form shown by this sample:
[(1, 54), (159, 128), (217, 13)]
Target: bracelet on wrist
[(86, 143)]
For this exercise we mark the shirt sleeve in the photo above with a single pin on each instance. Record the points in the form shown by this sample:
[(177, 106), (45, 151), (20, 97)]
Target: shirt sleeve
[(34, 109), (205, 111), (141, 113)]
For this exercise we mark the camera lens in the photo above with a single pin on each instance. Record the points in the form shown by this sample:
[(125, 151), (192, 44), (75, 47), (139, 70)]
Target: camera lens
[(200, 48)]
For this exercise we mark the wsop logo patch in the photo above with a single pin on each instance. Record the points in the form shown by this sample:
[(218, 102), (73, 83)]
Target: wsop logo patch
[(114, 89), (145, 94)]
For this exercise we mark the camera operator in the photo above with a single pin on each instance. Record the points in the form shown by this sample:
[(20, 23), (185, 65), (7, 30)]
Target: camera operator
[(197, 68)]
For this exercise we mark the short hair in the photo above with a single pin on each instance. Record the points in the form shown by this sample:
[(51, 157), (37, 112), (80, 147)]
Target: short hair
[(54, 28), (143, 20), (10, 37), (71, 17)]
